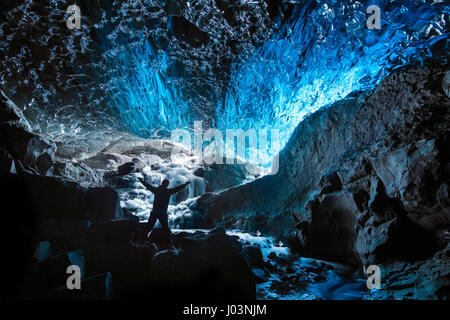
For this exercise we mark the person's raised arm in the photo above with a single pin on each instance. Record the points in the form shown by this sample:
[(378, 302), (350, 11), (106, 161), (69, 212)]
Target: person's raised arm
[(147, 185), (179, 188)]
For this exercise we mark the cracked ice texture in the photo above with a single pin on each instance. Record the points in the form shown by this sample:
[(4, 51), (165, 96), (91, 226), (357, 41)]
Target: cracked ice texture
[(149, 66), (323, 53)]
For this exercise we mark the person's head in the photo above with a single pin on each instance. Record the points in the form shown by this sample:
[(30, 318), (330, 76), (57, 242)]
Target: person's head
[(165, 183)]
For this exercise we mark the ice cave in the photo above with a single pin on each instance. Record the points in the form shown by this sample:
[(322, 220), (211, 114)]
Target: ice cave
[(302, 148)]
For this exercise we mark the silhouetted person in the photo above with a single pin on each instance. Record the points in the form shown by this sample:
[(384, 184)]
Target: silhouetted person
[(160, 204)]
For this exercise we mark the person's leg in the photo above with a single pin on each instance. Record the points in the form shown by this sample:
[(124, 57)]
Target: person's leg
[(165, 225), (151, 222)]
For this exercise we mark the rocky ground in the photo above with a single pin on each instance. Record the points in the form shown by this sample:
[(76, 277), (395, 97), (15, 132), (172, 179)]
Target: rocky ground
[(282, 275)]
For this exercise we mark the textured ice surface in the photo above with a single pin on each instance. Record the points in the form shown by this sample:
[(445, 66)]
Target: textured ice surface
[(148, 66), (142, 66), (323, 53)]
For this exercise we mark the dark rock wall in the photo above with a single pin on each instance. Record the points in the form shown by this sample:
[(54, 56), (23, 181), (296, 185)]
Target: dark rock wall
[(46, 219), (365, 180)]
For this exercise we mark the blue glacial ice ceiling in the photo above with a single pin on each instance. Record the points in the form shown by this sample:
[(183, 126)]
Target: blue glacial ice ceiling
[(323, 53), (135, 66), (167, 62), (148, 66)]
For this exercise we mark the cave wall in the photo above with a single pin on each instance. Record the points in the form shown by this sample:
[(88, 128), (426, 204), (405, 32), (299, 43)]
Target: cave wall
[(365, 180)]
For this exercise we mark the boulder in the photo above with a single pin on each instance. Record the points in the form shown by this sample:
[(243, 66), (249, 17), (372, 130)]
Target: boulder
[(218, 230), (55, 229), (212, 266), (254, 256), (130, 167), (33, 151), (97, 287), (128, 264), (102, 203), (219, 177), (198, 265), (78, 172), (61, 235), (56, 198), (126, 168), (55, 268), (105, 161), (421, 280), (113, 230), (17, 138)]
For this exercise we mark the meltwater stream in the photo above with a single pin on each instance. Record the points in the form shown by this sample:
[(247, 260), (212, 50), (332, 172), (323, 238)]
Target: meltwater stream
[(298, 278)]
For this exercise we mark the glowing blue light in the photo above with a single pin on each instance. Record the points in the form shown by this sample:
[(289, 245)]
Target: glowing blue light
[(144, 97), (322, 54)]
